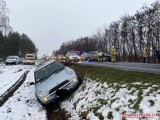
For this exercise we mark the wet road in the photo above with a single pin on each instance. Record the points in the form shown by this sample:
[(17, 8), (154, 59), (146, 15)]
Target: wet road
[(140, 67)]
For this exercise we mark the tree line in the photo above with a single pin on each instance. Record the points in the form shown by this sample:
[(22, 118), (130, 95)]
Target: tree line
[(130, 35), (15, 44)]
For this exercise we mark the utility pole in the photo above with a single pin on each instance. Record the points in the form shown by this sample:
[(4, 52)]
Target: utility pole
[(158, 25), (4, 24)]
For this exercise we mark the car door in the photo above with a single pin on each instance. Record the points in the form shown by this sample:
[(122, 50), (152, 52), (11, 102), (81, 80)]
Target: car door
[(95, 55)]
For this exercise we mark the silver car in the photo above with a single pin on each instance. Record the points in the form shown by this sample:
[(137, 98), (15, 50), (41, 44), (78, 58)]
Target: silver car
[(72, 57), (12, 60), (53, 80), (93, 55)]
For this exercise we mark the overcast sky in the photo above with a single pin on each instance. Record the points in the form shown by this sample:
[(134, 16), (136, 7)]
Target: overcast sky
[(49, 23)]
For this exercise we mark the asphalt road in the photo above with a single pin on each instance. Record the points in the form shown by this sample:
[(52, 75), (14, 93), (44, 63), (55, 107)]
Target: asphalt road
[(139, 67)]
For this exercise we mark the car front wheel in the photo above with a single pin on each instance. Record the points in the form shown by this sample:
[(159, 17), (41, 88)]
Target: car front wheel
[(88, 59)]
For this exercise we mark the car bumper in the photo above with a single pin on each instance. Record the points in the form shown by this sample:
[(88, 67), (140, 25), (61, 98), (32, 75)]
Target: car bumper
[(54, 98), (74, 60)]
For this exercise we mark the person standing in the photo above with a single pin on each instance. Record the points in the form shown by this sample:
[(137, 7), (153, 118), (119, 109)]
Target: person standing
[(158, 55), (100, 56), (113, 54), (145, 55)]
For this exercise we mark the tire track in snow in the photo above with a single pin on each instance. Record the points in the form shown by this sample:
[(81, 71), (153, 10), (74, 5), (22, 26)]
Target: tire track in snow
[(12, 89)]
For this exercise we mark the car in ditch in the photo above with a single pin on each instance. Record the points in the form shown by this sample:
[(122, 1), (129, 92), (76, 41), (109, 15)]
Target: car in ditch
[(53, 80)]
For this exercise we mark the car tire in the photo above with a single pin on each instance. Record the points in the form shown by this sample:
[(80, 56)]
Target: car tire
[(80, 80), (6, 63), (88, 59)]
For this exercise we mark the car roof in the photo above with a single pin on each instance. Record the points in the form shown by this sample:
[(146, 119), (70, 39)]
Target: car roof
[(44, 64), (12, 56)]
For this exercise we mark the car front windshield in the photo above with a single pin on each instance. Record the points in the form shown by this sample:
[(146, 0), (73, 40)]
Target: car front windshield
[(47, 71), (60, 55), (11, 57), (73, 54)]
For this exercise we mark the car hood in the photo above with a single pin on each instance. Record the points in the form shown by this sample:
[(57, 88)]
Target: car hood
[(10, 60), (73, 56), (54, 80)]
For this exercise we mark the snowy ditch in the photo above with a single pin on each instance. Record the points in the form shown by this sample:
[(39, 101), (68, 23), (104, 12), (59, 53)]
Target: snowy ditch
[(102, 101), (9, 76), (12, 89), (23, 104)]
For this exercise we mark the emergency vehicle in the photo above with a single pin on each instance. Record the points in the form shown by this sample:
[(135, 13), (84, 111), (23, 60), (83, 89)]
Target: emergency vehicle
[(29, 59)]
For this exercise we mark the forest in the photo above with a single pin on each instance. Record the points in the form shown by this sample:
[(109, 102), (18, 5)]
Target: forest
[(15, 44)]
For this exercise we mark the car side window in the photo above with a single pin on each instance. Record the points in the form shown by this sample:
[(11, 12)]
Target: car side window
[(41, 74), (90, 53)]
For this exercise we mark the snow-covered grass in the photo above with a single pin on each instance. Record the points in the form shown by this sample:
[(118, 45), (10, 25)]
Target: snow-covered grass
[(23, 104), (106, 94), (95, 100), (9, 75)]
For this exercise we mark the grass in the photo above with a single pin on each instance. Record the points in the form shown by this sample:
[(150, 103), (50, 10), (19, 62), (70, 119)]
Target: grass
[(136, 105), (151, 102), (115, 79), (114, 76)]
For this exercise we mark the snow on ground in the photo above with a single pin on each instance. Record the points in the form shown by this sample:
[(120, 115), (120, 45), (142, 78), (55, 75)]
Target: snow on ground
[(23, 104), (9, 75), (95, 100)]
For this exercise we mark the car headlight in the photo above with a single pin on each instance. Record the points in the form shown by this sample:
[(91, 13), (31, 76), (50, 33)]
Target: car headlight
[(40, 92), (70, 57), (74, 81), (71, 73)]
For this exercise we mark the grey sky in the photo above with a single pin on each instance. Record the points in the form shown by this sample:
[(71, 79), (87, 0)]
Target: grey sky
[(49, 23)]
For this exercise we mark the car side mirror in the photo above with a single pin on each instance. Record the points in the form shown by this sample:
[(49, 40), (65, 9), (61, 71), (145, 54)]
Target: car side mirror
[(31, 83)]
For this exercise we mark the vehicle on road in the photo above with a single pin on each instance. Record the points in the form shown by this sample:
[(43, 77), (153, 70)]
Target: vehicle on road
[(12, 60), (93, 55), (83, 56), (21, 60), (53, 80), (60, 57), (72, 57), (29, 59)]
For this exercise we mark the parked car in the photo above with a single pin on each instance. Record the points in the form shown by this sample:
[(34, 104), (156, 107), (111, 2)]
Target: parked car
[(21, 60), (54, 57), (60, 57), (29, 59), (53, 80), (72, 57), (83, 56), (12, 60), (93, 55)]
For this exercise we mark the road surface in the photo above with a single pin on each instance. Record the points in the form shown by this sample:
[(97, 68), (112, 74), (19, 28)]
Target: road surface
[(140, 67)]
